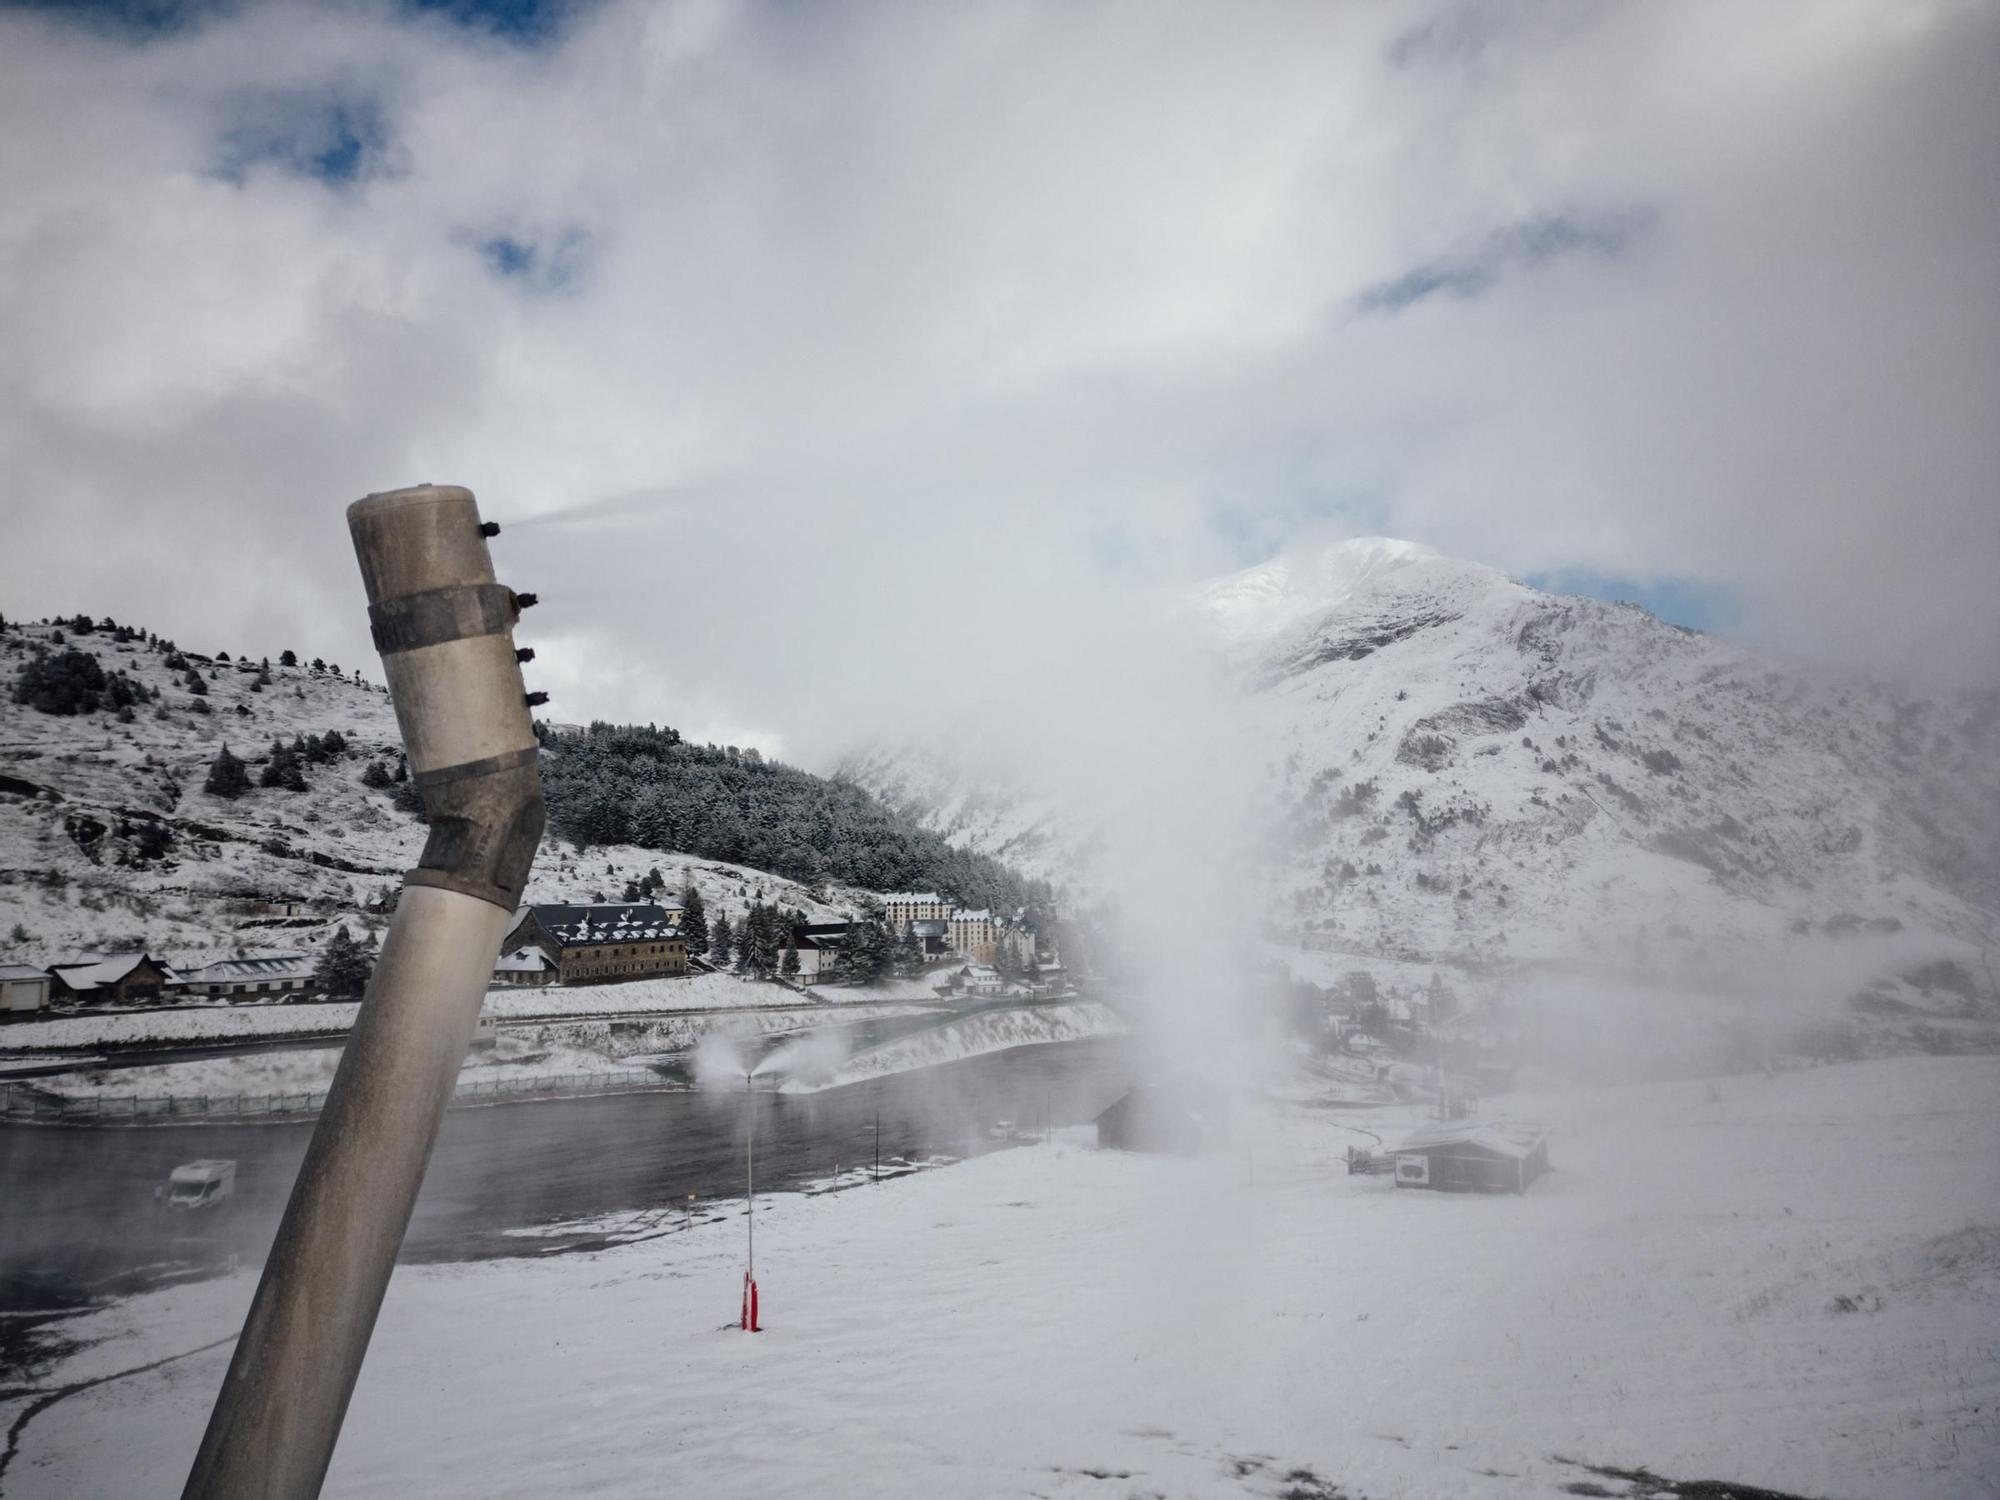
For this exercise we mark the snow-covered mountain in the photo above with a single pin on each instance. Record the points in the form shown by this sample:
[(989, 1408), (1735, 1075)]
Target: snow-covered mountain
[(108, 841), (1462, 769)]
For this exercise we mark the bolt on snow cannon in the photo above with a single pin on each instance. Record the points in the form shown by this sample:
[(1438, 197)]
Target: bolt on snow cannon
[(444, 628)]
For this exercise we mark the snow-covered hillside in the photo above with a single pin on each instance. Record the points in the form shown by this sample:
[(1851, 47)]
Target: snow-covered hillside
[(1461, 769), (108, 841)]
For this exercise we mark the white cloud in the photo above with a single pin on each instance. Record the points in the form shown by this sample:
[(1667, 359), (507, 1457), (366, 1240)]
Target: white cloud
[(878, 332)]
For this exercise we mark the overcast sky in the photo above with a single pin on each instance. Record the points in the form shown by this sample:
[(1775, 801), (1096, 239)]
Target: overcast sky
[(811, 351)]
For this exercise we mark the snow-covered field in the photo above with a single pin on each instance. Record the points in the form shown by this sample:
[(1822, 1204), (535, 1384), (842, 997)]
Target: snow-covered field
[(1789, 1281), (202, 1024), (641, 996)]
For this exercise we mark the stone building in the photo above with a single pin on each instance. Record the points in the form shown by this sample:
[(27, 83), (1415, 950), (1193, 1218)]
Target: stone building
[(603, 944)]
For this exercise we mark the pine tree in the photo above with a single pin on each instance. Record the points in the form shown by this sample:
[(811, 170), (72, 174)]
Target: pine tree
[(195, 685), (343, 968), (283, 769), (869, 949), (226, 776), (789, 966), (288, 658), (908, 958), (376, 777), (719, 939), (694, 920)]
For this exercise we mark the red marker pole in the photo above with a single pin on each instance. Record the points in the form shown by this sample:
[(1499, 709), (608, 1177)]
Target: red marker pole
[(749, 1322)]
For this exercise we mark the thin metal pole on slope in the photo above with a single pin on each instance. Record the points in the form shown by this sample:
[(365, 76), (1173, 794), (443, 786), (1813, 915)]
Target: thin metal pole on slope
[(750, 1174), (444, 628)]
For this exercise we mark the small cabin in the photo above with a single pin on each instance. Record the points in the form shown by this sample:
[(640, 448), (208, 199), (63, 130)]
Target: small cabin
[(1466, 1156), (524, 968)]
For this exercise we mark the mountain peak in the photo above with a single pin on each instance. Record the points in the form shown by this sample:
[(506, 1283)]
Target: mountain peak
[(1297, 585)]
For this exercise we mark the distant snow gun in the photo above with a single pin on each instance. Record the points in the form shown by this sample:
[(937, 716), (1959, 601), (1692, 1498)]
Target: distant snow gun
[(444, 628)]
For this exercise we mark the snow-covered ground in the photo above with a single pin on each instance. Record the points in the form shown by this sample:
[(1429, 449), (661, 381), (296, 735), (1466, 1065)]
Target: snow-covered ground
[(196, 1025), (639, 996), (1789, 1281)]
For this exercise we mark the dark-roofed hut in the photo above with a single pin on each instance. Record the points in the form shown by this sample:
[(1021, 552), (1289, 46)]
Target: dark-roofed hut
[(1465, 1156), (128, 979)]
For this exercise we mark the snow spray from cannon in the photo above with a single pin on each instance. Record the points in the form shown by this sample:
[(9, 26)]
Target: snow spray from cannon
[(445, 631)]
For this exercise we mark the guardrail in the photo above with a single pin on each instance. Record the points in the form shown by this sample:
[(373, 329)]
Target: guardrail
[(24, 1101)]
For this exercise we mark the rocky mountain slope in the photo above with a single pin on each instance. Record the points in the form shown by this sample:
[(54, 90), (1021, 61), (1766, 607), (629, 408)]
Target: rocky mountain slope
[(108, 841), (1460, 769)]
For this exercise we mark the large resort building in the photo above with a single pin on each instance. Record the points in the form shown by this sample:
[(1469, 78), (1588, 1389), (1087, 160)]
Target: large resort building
[(603, 944), (901, 908), (973, 933)]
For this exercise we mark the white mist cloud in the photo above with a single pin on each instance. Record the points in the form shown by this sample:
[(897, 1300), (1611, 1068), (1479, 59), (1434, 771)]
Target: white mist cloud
[(870, 365)]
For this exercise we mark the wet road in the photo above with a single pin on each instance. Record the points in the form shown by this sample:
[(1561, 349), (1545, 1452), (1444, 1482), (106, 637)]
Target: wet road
[(77, 1211)]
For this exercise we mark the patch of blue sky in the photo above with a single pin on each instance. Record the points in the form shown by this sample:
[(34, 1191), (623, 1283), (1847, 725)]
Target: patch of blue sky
[(327, 136), (554, 263), (1532, 242), (135, 20), (1680, 600), (529, 23)]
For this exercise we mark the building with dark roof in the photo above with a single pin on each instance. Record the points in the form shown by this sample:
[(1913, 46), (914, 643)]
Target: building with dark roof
[(1466, 1156), (128, 979), (603, 944), (819, 946)]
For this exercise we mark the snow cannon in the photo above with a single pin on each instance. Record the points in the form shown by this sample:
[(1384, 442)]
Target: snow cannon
[(444, 628)]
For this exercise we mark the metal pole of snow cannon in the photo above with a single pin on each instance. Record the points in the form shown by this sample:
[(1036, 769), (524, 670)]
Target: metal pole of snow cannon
[(444, 628)]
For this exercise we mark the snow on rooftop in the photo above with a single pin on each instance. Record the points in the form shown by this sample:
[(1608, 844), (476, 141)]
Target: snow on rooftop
[(1511, 1138)]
